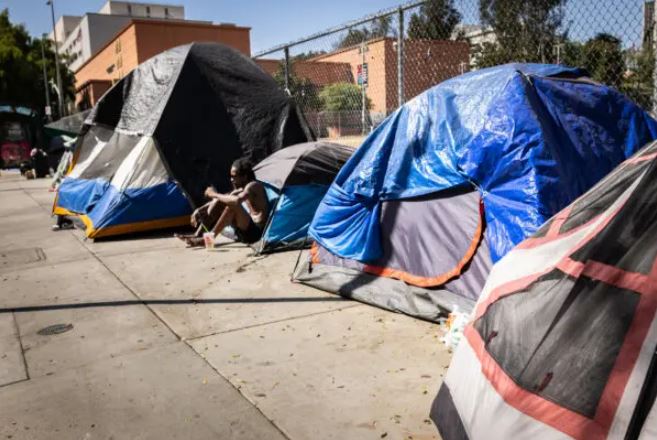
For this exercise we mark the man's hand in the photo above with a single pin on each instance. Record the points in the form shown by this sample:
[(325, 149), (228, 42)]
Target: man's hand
[(210, 192)]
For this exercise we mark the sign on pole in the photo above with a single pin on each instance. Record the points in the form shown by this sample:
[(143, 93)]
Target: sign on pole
[(361, 73)]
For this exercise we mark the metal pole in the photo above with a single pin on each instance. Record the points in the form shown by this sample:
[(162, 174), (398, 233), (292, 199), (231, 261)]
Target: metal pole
[(362, 87), (59, 76), (654, 72), (45, 77), (287, 69), (400, 58)]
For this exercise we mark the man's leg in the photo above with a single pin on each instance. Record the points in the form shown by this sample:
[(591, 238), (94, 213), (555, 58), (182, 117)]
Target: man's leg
[(200, 219)]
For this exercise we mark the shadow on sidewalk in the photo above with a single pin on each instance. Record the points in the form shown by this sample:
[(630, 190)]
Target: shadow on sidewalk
[(49, 307)]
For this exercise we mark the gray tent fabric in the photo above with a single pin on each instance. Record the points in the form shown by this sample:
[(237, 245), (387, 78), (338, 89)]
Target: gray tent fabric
[(562, 341), (424, 240), (70, 124), (205, 105), (302, 164)]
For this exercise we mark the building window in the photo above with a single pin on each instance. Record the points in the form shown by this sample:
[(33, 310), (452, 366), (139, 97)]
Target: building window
[(110, 69), (166, 12), (129, 9), (148, 11)]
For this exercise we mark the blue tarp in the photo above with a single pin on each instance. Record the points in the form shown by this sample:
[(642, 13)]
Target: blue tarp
[(292, 214), (107, 206), (529, 142)]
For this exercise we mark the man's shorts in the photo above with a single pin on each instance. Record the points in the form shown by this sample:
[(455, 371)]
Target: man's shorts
[(252, 234)]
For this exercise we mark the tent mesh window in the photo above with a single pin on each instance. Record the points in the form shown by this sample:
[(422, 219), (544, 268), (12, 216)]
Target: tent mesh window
[(566, 351)]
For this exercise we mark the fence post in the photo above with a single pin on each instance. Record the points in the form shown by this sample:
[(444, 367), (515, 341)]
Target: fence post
[(400, 58), (363, 87), (654, 69), (654, 54), (287, 69)]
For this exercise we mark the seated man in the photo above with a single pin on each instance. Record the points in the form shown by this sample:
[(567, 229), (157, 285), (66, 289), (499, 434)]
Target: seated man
[(246, 209)]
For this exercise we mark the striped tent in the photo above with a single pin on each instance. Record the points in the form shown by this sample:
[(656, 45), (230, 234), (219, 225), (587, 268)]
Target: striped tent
[(563, 340)]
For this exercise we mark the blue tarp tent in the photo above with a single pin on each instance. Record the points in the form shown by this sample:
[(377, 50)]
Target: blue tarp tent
[(513, 144)]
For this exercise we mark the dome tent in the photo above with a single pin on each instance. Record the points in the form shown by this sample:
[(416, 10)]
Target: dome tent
[(166, 131), (296, 179), (562, 342), (456, 177)]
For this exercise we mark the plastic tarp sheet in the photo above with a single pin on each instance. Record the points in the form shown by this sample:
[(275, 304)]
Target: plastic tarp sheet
[(293, 214), (529, 137)]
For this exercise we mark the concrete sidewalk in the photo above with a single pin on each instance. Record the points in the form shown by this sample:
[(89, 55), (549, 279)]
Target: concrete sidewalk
[(168, 342)]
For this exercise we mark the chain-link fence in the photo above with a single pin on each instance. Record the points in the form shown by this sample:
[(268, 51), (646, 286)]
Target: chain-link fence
[(349, 78)]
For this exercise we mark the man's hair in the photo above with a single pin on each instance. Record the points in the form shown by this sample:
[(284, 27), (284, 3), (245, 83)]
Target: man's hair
[(243, 167)]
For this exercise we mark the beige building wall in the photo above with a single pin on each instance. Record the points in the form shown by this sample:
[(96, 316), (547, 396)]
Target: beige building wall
[(426, 63), (155, 37), (143, 39), (375, 57)]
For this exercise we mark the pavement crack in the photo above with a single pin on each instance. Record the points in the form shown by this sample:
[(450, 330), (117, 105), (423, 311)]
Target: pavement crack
[(20, 343)]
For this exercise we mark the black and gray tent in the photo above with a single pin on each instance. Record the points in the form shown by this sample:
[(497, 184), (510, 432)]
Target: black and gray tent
[(167, 130), (296, 179)]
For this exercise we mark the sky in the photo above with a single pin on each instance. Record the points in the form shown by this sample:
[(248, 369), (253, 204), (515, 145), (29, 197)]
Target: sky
[(274, 22)]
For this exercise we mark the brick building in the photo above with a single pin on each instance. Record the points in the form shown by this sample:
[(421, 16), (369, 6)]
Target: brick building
[(427, 63), (80, 37), (139, 41)]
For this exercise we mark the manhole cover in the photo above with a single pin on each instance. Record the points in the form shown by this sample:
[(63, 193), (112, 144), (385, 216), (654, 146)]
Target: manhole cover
[(55, 329), (16, 257)]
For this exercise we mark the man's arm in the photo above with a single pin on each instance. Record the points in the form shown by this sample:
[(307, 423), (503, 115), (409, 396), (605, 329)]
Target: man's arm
[(233, 199)]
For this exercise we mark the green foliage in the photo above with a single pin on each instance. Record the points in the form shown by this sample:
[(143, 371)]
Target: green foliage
[(602, 56), (302, 90), (435, 21), (21, 77), (380, 28), (308, 55), (638, 84), (603, 59), (526, 31), (342, 96), (354, 37)]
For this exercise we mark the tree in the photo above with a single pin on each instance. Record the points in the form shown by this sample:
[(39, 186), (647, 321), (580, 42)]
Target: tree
[(302, 90), (602, 57), (638, 84), (343, 96), (308, 55), (21, 77), (436, 20), (354, 37), (382, 27), (526, 31)]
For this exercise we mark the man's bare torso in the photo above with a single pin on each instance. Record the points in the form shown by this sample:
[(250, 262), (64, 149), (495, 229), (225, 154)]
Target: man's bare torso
[(256, 203)]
